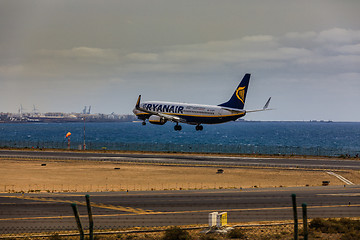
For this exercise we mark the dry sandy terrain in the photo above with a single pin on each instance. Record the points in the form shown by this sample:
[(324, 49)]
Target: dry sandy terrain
[(84, 176)]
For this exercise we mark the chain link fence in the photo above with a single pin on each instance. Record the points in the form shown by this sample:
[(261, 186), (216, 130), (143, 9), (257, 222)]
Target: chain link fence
[(187, 148), (49, 214)]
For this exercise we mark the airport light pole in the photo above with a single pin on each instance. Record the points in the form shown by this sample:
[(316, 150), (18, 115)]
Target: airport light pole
[(84, 145)]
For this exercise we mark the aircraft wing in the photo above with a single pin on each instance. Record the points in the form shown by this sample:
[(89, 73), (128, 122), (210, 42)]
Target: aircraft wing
[(265, 108), (163, 115)]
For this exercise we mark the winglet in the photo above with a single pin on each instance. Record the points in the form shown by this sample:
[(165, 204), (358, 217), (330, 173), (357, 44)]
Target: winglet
[(137, 106), (267, 104), (265, 108)]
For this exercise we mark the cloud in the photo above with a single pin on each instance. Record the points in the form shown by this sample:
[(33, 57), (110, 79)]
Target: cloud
[(11, 70), (335, 50), (304, 53), (349, 49), (143, 57), (259, 38), (295, 65), (300, 35), (59, 65), (82, 54), (254, 51), (339, 35)]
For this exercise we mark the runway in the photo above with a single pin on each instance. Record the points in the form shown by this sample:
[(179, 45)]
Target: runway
[(48, 212), (118, 210), (190, 159)]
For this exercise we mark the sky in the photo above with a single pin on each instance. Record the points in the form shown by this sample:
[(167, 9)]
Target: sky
[(60, 56)]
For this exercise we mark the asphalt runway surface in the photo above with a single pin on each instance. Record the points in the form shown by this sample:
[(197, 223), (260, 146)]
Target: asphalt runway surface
[(190, 159), (47, 212)]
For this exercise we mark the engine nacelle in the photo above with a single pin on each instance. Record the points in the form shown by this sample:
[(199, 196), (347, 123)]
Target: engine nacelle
[(154, 119)]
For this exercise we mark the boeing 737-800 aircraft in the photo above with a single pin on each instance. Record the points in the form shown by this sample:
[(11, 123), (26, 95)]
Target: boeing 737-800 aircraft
[(196, 114)]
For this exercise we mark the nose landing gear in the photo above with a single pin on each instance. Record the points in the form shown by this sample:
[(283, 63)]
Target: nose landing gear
[(177, 127), (199, 128), (143, 123)]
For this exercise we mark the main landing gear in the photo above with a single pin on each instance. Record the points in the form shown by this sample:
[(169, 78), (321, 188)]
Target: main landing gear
[(177, 127), (143, 123), (199, 128)]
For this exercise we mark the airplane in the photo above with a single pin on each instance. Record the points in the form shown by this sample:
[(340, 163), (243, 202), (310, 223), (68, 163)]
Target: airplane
[(196, 114)]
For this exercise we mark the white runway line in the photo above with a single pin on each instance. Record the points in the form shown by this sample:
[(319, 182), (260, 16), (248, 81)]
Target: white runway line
[(341, 178)]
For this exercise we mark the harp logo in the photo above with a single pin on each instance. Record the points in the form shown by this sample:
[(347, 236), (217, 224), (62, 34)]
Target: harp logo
[(240, 93)]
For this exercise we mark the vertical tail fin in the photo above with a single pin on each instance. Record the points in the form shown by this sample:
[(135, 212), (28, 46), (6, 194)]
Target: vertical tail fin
[(238, 98), (138, 102)]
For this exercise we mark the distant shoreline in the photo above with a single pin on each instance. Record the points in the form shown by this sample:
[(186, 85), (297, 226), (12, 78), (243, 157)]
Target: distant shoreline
[(134, 121), (59, 117), (65, 121)]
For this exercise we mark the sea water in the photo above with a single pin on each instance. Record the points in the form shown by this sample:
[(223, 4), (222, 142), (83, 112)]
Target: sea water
[(304, 138)]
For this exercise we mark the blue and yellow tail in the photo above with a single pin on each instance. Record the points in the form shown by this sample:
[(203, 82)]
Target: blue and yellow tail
[(237, 100)]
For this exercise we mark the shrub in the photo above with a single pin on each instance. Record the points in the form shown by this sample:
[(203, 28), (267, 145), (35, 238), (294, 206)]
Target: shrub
[(176, 233), (208, 237), (236, 233), (55, 236), (354, 235), (344, 225)]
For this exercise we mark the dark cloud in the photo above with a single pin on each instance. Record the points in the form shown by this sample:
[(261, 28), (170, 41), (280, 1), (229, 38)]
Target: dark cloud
[(63, 55)]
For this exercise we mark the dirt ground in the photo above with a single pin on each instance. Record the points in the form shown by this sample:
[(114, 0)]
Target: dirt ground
[(90, 176)]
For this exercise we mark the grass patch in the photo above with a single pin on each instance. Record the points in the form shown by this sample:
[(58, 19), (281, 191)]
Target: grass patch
[(176, 233), (332, 225), (348, 229), (236, 233)]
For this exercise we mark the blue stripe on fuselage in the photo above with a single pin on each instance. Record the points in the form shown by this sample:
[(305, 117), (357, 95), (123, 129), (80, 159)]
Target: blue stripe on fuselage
[(210, 119), (199, 119)]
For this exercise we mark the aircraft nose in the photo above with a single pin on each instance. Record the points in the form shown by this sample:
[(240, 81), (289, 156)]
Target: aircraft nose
[(135, 111)]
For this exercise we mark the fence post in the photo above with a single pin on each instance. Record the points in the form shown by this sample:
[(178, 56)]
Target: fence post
[(293, 196), (91, 221), (78, 222), (305, 228)]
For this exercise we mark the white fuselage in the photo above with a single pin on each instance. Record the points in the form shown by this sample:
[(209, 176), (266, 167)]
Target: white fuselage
[(193, 113), (196, 114)]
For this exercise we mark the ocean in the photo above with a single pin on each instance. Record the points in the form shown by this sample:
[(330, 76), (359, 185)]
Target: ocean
[(299, 138)]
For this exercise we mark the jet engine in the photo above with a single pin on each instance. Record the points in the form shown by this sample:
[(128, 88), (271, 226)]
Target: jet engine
[(154, 119)]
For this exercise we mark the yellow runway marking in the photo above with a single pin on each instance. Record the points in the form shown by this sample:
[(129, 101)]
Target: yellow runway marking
[(99, 205), (341, 194), (176, 212), (256, 209)]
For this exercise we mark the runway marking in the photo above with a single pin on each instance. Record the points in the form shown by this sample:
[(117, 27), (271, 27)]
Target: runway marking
[(259, 209), (341, 194), (138, 211), (178, 212), (348, 182)]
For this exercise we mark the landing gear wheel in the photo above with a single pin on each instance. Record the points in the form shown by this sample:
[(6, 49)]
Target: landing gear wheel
[(199, 128), (177, 127), (143, 123)]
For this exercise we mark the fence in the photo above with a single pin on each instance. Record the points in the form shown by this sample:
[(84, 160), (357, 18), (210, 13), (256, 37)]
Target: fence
[(188, 148), (38, 213)]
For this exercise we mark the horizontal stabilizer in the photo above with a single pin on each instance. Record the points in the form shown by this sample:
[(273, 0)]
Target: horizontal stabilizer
[(265, 108)]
